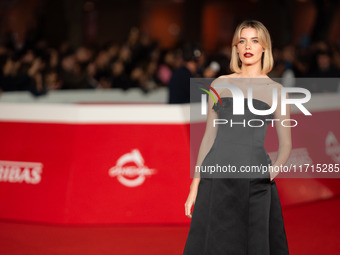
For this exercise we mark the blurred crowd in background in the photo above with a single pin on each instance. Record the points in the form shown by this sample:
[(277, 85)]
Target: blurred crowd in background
[(140, 62)]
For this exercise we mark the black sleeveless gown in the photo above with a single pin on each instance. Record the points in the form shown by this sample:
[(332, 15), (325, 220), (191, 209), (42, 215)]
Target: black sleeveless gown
[(237, 216)]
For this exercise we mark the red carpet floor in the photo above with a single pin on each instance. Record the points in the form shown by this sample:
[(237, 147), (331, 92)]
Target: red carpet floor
[(312, 229)]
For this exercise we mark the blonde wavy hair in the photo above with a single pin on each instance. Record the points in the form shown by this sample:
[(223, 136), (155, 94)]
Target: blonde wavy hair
[(267, 61)]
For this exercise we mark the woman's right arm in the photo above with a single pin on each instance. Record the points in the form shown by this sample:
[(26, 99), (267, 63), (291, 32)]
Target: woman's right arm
[(206, 144)]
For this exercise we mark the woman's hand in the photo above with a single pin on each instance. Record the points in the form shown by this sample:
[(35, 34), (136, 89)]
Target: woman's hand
[(273, 173), (190, 202)]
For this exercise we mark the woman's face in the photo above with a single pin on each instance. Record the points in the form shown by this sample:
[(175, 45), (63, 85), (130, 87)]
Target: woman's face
[(249, 49)]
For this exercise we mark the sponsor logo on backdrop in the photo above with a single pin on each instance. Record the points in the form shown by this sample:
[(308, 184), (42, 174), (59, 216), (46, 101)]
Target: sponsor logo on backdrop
[(130, 169), (20, 172), (332, 147)]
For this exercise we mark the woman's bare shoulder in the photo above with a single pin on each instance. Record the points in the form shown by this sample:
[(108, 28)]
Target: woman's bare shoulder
[(273, 84), (233, 75), (221, 79)]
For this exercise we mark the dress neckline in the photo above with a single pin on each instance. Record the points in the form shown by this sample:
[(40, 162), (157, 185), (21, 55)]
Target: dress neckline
[(246, 98)]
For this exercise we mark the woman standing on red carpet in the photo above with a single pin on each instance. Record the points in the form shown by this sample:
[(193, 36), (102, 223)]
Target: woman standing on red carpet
[(240, 216)]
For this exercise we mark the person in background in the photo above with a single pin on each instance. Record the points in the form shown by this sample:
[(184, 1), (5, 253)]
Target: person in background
[(166, 66), (324, 69), (179, 85)]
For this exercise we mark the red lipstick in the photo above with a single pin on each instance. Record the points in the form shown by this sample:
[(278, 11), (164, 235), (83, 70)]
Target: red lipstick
[(248, 55)]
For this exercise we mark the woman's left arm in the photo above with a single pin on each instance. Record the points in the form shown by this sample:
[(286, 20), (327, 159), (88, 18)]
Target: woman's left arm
[(283, 133)]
